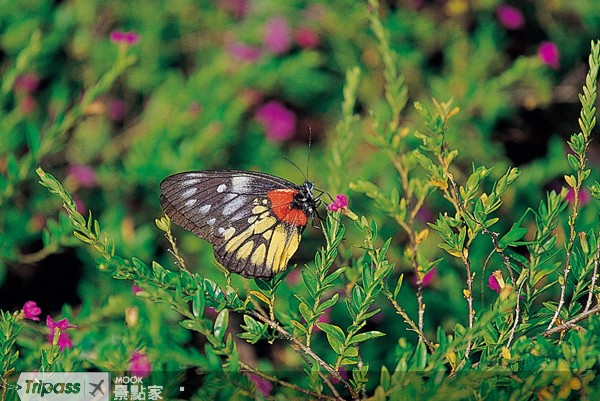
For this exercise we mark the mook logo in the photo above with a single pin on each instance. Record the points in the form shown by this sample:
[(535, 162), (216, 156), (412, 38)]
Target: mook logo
[(67, 386)]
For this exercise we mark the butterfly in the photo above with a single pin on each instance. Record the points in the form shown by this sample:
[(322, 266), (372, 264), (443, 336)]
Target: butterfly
[(253, 220)]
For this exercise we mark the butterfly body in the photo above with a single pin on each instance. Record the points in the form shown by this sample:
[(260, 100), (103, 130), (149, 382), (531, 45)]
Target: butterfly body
[(253, 220)]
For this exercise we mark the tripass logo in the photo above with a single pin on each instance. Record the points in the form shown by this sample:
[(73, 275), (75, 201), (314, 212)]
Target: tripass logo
[(59, 386)]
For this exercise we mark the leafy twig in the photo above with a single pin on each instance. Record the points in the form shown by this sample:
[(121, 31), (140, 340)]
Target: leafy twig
[(579, 144), (572, 322), (588, 304), (306, 350), (164, 224), (282, 383)]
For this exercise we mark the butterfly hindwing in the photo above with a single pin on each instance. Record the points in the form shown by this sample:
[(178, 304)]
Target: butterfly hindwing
[(253, 220)]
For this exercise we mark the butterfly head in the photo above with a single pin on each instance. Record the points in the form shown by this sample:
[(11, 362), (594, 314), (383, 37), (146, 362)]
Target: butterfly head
[(306, 201)]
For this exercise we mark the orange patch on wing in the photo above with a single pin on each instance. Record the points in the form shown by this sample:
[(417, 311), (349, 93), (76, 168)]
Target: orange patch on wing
[(281, 203)]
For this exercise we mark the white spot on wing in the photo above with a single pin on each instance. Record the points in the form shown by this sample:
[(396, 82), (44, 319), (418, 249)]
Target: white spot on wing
[(191, 202), (189, 192), (210, 222), (204, 209), (221, 188), (229, 197), (234, 205), (241, 184)]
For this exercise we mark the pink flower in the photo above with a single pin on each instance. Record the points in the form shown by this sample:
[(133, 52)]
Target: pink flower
[(244, 52), (343, 373), (262, 385), (64, 341), (126, 38), (340, 202), (27, 104), (139, 365), (117, 109), (584, 196), (549, 55), (27, 82), (325, 317), (135, 289), (427, 278), (278, 121), (31, 311), (307, 38), (496, 281), (85, 176), (277, 35), (510, 17), (293, 277), (79, 204)]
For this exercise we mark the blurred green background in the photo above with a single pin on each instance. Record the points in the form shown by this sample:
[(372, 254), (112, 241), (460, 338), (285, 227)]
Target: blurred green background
[(237, 84)]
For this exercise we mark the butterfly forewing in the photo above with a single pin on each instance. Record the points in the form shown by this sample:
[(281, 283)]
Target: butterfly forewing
[(253, 220)]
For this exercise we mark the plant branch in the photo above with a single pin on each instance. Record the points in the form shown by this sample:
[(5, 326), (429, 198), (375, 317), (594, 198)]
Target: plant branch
[(572, 322), (588, 304), (408, 320), (306, 350), (282, 383)]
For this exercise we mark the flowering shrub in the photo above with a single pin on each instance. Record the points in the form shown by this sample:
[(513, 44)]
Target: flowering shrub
[(501, 261)]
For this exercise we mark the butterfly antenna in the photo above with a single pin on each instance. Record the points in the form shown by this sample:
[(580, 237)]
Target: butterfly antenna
[(295, 165)]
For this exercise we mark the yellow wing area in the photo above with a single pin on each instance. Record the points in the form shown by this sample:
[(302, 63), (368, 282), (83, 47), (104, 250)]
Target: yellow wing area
[(262, 249), (284, 243)]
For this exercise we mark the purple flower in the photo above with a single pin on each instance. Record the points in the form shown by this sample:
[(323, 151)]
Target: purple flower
[(64, 341), (244, 52), (262, 385), (510, 17), (139, 365), (117, 109), (27, 104), (135, 289), (83, 175), (339, 203), (27, 82), (427, 278), (31, 311), (126, 38), (584, 196), (277, 35), (496, 281), (548, 53), (343, 374), (307, 38), (278, 121), (79, 204)]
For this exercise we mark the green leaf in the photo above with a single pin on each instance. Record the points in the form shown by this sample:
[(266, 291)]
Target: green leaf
[(198, 303), (299, 326), (571, 180), (305, 311), (328, 303), (512, 236), (221, 323), (360, 337), (398, 285), (34, 140), (335, 336), (573, 161)]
